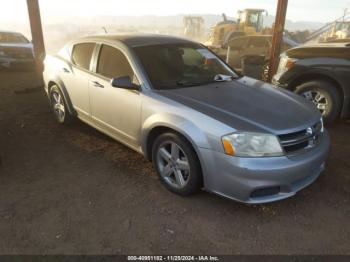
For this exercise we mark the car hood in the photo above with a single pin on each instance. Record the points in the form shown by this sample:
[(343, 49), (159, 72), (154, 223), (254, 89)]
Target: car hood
[(316, 51), (249, 105)]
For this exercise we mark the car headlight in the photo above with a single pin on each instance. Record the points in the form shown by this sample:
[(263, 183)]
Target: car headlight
[(252, 145)]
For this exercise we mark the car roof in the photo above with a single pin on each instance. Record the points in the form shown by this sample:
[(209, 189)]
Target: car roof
[(135, 40)]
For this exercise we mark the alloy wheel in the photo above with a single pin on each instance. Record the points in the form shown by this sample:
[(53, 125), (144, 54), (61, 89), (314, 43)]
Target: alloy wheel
[(58, 105), (318, 99), (173, 165)]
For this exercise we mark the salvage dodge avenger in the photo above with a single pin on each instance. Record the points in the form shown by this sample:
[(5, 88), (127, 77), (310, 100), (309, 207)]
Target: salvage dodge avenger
[(201, 124)]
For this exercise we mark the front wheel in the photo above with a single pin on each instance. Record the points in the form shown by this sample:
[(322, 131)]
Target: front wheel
[(177, 164), (325, 96), (59, 106)]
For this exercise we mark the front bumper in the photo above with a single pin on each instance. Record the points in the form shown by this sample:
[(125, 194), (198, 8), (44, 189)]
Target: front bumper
[(263, 180)]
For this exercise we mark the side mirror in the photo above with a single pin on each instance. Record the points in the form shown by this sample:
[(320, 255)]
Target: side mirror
[(125, 83)]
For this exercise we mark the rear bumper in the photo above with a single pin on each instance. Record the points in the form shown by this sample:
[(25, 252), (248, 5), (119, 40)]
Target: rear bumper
[(17, 63), (263, 180)]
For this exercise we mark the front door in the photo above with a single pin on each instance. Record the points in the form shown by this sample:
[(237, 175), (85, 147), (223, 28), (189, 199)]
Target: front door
[(115, 110)]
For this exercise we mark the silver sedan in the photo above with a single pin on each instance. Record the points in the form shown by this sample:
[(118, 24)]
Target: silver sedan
[(202, 125)]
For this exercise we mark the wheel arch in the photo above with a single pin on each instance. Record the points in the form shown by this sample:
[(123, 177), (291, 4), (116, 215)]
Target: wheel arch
[(156, 131), (157, 124), (317, 76), (320, 76), (64, 91)]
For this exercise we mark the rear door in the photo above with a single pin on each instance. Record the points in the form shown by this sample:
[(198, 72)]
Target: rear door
[(117, 111), (77, 78)]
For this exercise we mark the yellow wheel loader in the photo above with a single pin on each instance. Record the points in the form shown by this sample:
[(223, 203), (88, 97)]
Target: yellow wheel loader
[(250, 22)]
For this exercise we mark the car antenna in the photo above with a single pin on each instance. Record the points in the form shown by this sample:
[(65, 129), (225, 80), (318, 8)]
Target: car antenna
[(104, 29)]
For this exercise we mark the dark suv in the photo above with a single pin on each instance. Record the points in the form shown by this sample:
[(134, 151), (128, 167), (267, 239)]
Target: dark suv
[(320, 73)]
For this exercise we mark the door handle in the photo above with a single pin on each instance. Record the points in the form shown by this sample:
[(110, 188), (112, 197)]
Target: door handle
[(97, 84)]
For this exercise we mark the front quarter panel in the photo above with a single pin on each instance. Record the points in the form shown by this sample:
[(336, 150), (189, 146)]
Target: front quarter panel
[(52, 73), (201, 130)]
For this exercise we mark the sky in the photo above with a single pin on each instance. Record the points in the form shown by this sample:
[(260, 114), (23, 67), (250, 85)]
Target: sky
[(60, 10)]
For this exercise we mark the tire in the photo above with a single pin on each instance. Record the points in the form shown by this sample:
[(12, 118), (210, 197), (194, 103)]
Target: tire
[(59, 106), (325, 96), (168, 163)]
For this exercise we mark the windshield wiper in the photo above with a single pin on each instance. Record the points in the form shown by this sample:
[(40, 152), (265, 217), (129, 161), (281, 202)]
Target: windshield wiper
[(223, 78), (217, 78)]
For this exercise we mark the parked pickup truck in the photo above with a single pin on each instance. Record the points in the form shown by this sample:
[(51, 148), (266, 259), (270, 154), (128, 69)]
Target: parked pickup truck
[(320, 73), (16, 52)]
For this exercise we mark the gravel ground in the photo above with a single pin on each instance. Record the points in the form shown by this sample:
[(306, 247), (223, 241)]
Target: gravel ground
[(72, 190)]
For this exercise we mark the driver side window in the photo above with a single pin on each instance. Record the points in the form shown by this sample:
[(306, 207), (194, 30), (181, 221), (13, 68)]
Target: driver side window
[(112, 63)]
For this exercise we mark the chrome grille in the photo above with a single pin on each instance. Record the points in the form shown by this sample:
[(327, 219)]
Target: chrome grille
[(301, 140)]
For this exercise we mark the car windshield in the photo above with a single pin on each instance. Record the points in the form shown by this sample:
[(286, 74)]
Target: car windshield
[(12, 38), (182, 65)]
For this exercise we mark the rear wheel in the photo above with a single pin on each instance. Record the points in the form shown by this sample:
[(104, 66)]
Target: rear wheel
[(59, 106), (177, 164), (325, 96)]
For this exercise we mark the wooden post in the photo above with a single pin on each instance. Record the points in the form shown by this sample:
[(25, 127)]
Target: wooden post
[(277, 38), (37, 32)]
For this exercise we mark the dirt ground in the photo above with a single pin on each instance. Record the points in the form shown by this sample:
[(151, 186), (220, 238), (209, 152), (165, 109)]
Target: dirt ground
[(72, 190)]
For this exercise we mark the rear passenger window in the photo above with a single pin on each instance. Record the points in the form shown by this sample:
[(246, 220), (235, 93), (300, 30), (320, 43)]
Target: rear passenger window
[(82, 54), (112, 63)]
